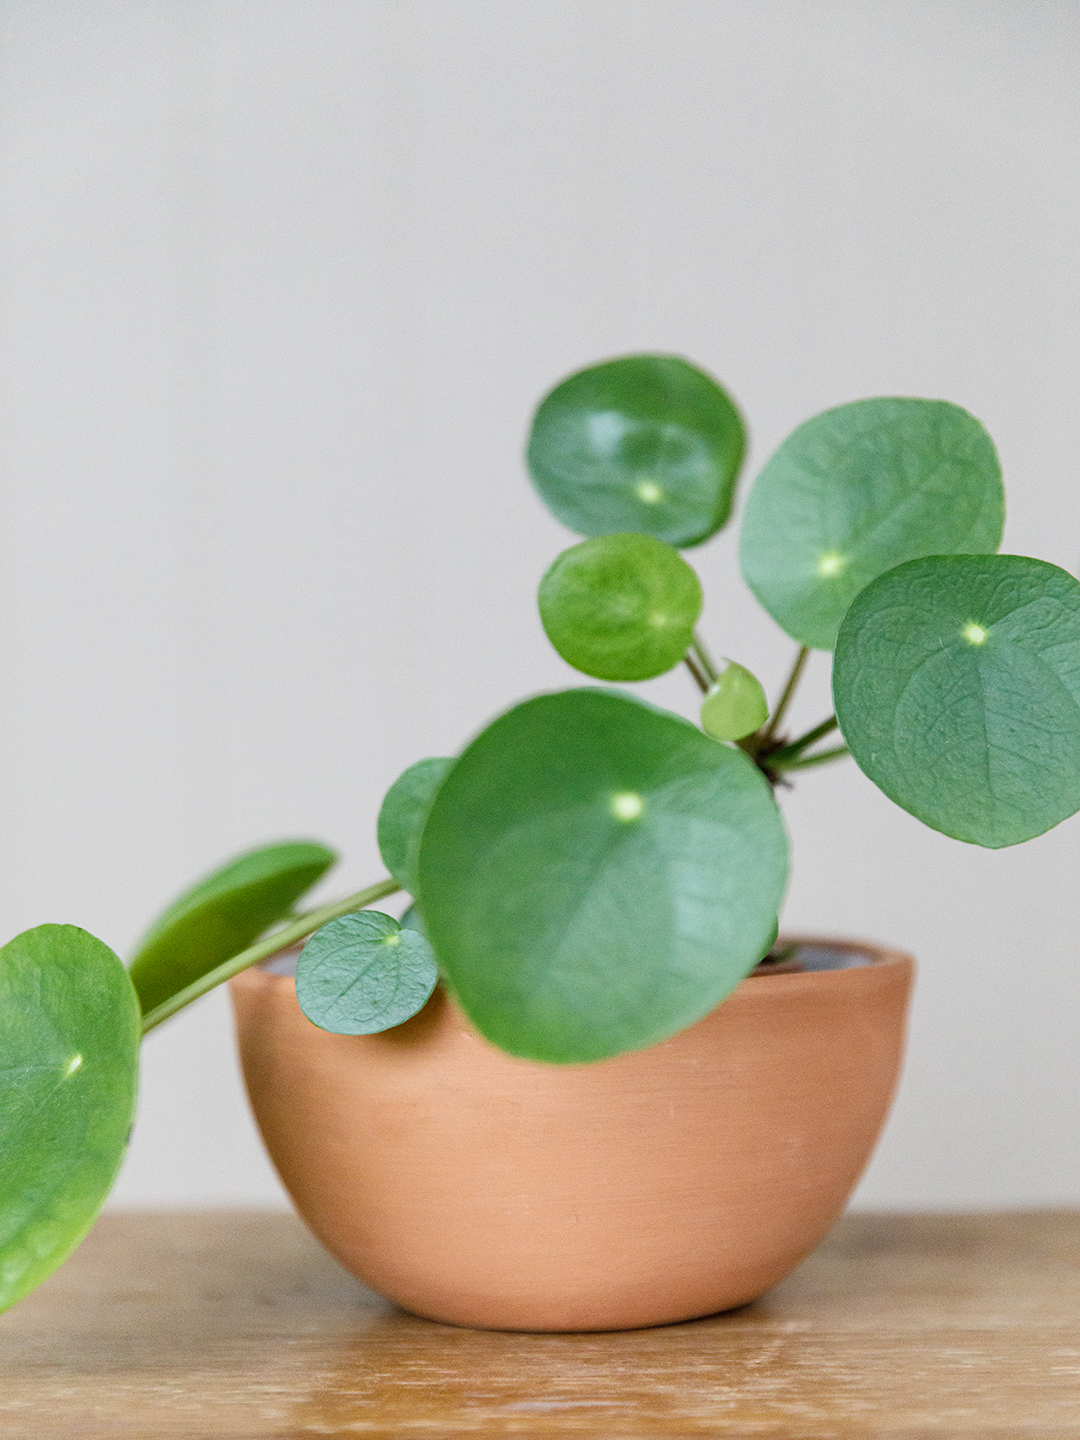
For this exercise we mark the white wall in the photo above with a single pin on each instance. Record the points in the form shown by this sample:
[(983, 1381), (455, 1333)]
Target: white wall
[(283, 281)]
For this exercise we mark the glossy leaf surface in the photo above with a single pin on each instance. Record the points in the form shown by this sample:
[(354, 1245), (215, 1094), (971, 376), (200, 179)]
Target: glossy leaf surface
[(364, 973), (620, 607), (224, 914), (596, 874), (735, 705), (957, 687), (647, 443), (402, 815), (69, 1042), (858, 490)]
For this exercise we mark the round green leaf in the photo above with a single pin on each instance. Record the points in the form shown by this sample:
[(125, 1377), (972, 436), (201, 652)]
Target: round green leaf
[(620, 607), (363, 973), (957, 687), (735, 705), (402, 815), (69, 1041), (222, 915), (646, 443), (596, 874), (858, 490)]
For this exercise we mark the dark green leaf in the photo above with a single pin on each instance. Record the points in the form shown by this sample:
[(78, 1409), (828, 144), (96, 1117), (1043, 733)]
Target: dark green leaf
[(222, 915), (858, 490), (363, 973), (69, 1041), (401, 818), (957, 687), (620, 607), (596, 874), (646, 443), (735, 705)]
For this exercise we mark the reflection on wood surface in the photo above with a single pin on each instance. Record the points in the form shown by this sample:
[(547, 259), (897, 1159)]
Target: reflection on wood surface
[(237, 1326)]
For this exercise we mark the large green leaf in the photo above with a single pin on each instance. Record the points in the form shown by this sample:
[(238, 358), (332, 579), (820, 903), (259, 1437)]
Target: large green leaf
[(596, 874), (858, 490), (402, 814), (69, 1042), (957, 687), (364, 973), (222, 915), (646, 443), (620, 607)]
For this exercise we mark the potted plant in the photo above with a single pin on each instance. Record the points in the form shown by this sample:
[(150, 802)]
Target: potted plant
[(504, 1095)]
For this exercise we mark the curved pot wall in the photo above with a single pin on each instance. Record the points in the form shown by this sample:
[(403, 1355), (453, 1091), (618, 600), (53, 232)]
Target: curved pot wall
[(482, 1190)]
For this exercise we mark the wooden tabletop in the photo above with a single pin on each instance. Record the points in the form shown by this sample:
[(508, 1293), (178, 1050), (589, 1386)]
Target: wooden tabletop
[(237, 1325)]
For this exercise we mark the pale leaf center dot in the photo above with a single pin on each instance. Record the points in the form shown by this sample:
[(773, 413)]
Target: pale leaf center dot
[(627, 805), (658, 620), (830, 564), (392, 940), (649, 491), (73, 1065), (974, 634)]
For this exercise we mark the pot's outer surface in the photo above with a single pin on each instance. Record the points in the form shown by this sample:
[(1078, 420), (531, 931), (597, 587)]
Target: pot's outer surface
[(474, 1188)]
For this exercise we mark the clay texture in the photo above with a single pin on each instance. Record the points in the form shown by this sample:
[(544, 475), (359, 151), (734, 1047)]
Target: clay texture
[(482, 1190)]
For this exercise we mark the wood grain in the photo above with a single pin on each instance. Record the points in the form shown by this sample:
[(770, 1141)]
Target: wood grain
[(237, 1325)]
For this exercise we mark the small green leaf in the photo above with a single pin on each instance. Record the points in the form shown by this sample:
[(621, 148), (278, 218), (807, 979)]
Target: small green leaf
[(858, 490), (957, 687), (222, 915), (735, 705), (364, 973), (647, 443), (402, 815), (620, 607), (596, 874), (69, 1042)]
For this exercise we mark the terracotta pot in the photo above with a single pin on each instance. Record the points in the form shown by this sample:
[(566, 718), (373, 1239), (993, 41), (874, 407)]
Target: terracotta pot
[(474, 1188)]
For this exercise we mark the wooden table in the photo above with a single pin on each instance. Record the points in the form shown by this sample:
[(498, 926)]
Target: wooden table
[(237, 1325)]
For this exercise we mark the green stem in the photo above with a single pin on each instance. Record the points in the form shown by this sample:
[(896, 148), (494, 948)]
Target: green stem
[(704, 659), (695, 670), (785, 696), (787, 753), (300, 929), (837, 753)]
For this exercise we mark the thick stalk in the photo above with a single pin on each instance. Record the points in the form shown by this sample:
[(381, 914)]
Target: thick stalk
[(300, 929), (785, 696)]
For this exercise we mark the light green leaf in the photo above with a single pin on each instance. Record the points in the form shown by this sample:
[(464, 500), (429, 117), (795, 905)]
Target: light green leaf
[(735, 705), (957, 687), (647, 443), (222, 915), (69, 1053), (596, 874), (364, 973), (402, 815), (620, 607), (858, 490)]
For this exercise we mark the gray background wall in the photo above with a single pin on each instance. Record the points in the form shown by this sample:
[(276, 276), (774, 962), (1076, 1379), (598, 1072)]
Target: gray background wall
[(283, 280)]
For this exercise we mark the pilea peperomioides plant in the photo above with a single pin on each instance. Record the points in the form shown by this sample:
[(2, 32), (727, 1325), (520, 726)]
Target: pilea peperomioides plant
[(591, 873)]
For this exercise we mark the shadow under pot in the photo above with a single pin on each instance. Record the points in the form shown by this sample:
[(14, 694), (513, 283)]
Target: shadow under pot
[(478, 1189)]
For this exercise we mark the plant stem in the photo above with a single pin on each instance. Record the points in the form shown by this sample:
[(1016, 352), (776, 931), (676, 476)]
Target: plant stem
[(704, 659), (821, 758), (786, 694), (695, 670), (300, 929), (786, 754)]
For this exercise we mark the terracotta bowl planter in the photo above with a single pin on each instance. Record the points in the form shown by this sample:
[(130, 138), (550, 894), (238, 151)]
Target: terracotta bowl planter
[(474, 1188)]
